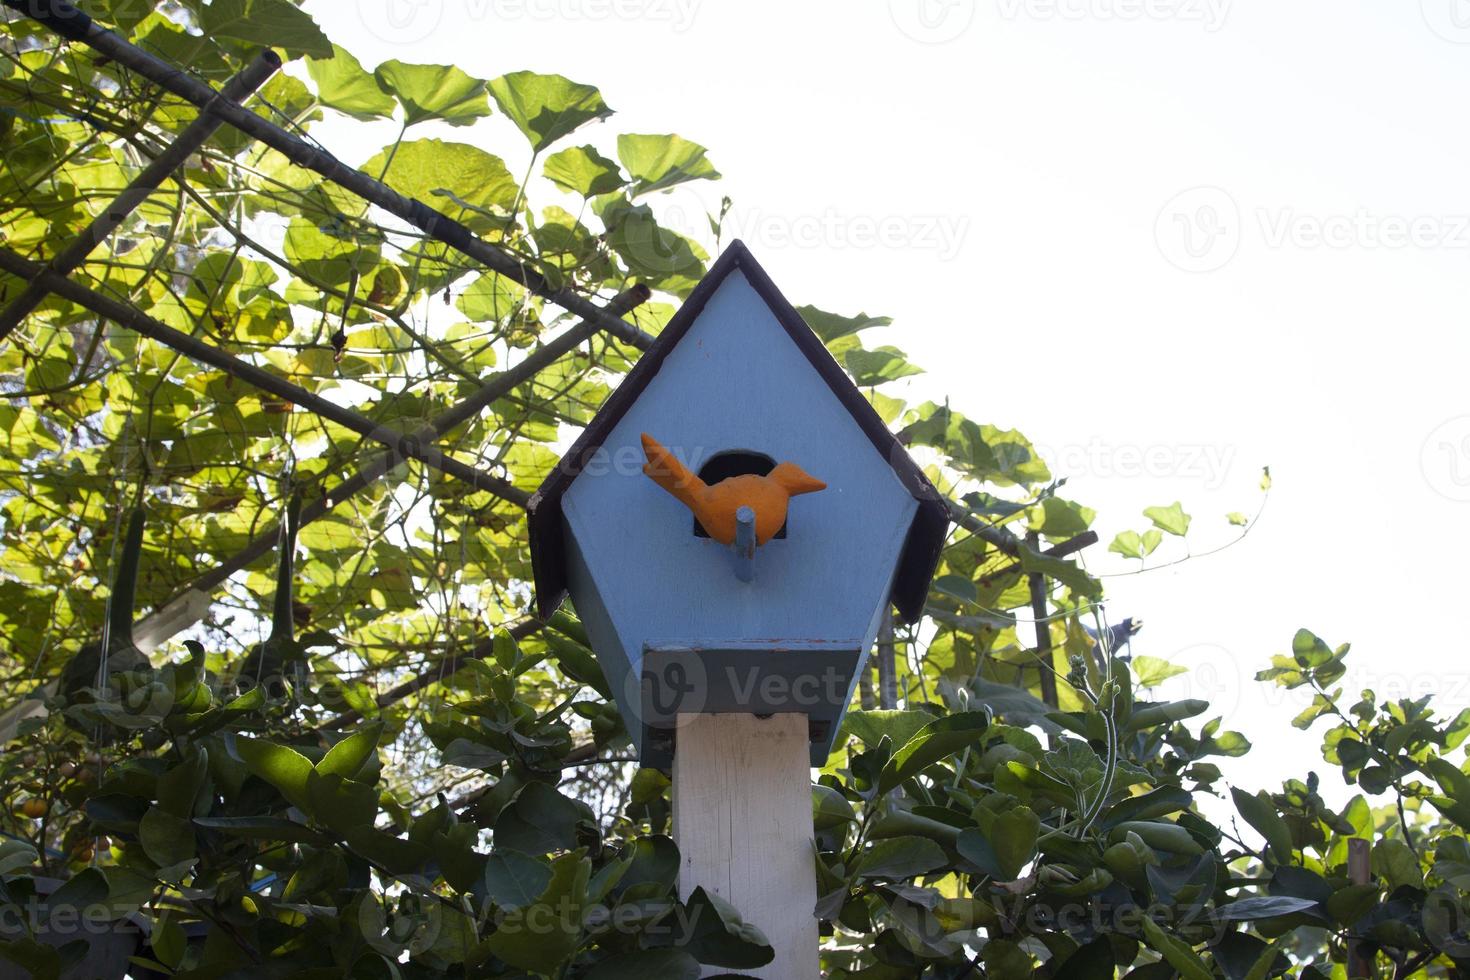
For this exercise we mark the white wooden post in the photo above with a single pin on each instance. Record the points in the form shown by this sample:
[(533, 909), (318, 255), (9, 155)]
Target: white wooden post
[(743, 823)]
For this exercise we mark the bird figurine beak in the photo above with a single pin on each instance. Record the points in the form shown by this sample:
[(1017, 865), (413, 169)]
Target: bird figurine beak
[(796, 480)]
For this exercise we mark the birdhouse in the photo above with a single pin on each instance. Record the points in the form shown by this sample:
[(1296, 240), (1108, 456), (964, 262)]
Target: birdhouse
[(733, 522)]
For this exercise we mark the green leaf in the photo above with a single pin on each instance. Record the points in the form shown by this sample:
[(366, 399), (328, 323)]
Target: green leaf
[(660, 162), (1063, 570), (393, 854), (1153, 671), (721, 937), (1260, 812), (341, 804), (167, 840), (830, 808), (1238, 519), (876, 367), (347, 757), (940, 738), (899, 858), (514, 880), (1179, 954), (1309, 650), (1262, 907), (830, 326), (543, 935), (418, 168), (343, 84), (871, 726), (491, 297), (547, 107), (433, 92), (275, 23), (81, 893), (540, 820), (647, 964), (179, 787), (281, 766), (1170, 519), (1058, 518), (582, 170), (1128, 544), (262, 828), (1004, 848)]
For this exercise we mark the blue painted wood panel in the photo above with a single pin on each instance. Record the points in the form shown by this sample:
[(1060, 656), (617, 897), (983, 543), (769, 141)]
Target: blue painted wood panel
[(735, 381)]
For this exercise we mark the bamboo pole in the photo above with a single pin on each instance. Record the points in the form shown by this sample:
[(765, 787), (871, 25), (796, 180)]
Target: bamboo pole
[(1360, 872)]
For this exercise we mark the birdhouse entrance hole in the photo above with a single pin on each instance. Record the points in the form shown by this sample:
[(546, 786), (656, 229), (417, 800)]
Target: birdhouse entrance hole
[(735, 462)]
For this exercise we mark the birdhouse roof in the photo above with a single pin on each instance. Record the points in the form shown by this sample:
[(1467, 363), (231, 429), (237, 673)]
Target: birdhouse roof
[(920, 554)]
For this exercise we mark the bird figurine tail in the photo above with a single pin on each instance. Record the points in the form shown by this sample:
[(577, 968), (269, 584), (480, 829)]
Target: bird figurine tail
[(664, 468)]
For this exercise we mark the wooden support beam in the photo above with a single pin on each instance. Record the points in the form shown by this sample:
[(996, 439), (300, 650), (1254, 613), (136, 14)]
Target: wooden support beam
[(743, 823), (148, 180)]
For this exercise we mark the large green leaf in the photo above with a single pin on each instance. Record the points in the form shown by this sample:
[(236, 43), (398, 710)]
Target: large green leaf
[(440, 92), (418, 168), (280, 765), (513, 880), (582, 170), (547, 107), (1261, 813), (660, 162), (1170, 519), (343, 84), (274, 23), (900, 857), (541, 936), (347, 757), (646, 964), (936, 740)]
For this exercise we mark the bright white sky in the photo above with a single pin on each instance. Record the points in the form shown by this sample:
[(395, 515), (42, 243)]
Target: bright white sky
[(1172, 241)]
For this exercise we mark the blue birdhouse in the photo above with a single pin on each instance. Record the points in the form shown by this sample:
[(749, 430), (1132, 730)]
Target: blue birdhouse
[(734, 520)]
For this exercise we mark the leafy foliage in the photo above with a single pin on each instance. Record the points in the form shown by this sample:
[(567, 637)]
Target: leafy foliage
[(383, 790)]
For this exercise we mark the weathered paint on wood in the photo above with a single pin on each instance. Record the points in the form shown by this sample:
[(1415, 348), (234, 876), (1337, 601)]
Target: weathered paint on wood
[(743, 823)]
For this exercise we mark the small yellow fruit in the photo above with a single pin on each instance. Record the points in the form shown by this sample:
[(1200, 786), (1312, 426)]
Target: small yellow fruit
[(35, 808)]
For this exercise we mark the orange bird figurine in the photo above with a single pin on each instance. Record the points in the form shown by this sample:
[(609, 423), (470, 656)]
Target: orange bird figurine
[(715, 506)]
